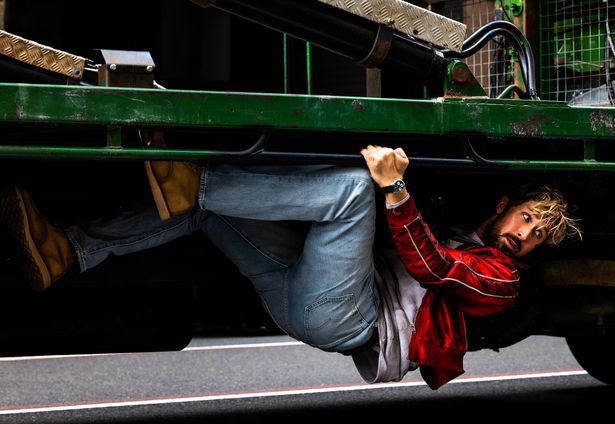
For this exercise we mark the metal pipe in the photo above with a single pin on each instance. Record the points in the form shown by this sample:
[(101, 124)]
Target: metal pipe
[(285, 60), (255, 154), (341, 32), (520, 43), (308, 67)]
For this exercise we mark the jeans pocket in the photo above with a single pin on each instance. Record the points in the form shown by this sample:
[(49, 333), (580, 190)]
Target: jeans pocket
[(333, 320)]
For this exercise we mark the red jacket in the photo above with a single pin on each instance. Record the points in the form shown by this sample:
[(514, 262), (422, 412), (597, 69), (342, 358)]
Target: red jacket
[(472, 279)]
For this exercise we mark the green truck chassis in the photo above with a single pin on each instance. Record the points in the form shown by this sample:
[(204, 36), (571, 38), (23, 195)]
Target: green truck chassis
[(73, 140)]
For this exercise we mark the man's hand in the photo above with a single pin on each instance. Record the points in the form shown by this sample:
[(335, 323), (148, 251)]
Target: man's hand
[(385, 164)]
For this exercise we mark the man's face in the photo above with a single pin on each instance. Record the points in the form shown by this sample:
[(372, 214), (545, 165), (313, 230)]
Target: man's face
[(516, 231)]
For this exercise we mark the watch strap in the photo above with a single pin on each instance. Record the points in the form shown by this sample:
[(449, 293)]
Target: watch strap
[(396, 187)]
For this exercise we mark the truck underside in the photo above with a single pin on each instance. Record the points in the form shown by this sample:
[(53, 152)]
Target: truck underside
[(71, 135)]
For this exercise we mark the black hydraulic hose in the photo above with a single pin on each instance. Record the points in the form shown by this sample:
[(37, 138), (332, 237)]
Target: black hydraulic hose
[(488, 31), (501, 27)]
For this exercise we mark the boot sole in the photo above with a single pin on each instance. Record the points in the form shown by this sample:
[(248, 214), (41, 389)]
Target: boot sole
[(14, 220)]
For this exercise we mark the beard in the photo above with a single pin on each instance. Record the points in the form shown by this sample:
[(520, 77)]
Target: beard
[(507, 243)]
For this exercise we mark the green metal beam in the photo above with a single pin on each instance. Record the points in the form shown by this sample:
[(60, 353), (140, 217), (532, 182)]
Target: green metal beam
[(116, 109), (122, 107)]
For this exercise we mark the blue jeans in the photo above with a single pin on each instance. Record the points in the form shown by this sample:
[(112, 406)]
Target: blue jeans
[(317, 285)]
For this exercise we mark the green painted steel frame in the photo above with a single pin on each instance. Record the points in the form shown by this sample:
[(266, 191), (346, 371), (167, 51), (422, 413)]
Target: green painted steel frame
[(132, 108)]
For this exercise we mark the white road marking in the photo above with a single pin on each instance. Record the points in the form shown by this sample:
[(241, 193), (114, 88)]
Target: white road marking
[(284, 392), (243, 346), (187, 349)]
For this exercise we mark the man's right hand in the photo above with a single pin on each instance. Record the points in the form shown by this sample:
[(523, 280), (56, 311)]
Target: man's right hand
[(385, 164)]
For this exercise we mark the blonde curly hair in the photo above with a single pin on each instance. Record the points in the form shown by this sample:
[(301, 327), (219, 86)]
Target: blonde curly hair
[(552, 208)]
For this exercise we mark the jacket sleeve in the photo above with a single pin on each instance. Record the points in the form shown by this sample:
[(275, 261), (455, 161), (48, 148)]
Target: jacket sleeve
[(478, 280)]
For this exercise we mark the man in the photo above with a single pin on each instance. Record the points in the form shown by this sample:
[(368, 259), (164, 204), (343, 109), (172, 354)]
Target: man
[(392, 310)]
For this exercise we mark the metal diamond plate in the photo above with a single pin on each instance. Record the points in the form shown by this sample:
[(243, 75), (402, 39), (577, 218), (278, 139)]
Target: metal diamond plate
[(412, 20), (41, 56)]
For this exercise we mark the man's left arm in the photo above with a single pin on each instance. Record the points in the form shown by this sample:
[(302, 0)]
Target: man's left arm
[(478, 284)]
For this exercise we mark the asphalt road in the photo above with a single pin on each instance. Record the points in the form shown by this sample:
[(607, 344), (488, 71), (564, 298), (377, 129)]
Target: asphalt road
[(275, 379)]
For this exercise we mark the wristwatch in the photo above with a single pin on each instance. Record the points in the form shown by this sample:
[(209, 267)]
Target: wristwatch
[(397, 187)]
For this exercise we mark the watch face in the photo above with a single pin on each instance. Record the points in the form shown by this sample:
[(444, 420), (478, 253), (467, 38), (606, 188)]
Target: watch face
[(397, 187)]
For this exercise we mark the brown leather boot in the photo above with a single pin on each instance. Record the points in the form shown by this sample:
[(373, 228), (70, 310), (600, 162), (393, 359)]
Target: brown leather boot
[(174, 185), (46, 253)]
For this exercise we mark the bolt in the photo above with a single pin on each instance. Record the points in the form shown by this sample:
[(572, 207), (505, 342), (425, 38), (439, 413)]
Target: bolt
[(461, 74)]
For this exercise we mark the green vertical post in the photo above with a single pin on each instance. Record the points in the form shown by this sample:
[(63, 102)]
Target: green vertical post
[(308, 66), (114, 137), (589, 150), (285, 61)]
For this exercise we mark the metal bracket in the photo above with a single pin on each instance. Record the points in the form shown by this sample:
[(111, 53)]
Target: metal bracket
[(126, 69)]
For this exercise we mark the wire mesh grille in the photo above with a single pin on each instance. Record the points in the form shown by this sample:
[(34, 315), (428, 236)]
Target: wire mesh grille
[(576, 51)]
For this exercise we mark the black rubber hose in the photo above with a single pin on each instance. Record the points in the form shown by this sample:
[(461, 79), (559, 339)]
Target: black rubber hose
[(520, 43)]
